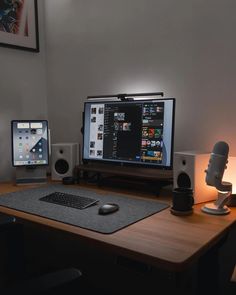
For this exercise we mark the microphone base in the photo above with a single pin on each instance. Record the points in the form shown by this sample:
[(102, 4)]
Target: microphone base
[(211, 208)]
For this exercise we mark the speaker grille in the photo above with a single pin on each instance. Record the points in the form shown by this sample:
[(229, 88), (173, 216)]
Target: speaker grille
[(61, 166), (183, 180)]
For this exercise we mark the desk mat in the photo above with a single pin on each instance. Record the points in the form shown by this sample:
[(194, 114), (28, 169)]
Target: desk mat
[(131, 209)]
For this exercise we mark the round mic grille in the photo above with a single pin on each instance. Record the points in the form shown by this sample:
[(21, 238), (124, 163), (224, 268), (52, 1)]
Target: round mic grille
[(221, 148)]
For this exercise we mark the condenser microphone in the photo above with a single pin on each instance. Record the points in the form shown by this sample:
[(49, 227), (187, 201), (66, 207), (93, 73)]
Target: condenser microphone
[(217, 166)]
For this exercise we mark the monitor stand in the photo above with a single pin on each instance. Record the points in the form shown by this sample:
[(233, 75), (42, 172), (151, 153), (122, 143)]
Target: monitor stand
[(31, 175), (154, 178)]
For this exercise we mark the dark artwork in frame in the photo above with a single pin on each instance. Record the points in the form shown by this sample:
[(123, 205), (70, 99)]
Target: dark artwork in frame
[(19, 24)]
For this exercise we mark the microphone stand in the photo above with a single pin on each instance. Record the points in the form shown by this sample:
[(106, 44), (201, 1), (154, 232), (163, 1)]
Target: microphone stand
[(219, 206)]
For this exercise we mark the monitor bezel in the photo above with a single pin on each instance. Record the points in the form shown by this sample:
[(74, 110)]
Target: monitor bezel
[(12, 145), (125, 163)]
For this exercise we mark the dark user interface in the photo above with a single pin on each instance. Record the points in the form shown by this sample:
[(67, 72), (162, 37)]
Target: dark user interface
[(152, 132), (134, 132), (122, 136)]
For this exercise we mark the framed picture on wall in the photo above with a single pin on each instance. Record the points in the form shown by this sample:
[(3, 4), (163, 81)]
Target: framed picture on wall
[(19, 24)]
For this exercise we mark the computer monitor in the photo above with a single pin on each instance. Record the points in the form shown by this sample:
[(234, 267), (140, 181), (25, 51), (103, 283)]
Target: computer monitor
[(30, 146), (137, 132)]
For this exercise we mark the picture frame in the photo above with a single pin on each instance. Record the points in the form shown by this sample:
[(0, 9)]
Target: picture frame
[(19, 24)]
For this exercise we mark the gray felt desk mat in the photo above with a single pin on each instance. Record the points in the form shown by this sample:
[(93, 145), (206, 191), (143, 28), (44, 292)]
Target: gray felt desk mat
[(131, 209)]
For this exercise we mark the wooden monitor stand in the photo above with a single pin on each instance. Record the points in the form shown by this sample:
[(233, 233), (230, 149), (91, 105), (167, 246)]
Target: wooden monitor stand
[(158, 177)]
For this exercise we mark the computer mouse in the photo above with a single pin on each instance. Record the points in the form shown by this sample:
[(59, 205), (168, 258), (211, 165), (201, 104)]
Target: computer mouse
[(108, 208)]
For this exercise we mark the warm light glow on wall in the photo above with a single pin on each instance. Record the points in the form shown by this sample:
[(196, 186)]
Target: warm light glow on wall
[(230, 173)]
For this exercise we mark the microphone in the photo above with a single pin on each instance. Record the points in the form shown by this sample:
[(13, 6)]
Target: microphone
[(214, 175), (217, 166)]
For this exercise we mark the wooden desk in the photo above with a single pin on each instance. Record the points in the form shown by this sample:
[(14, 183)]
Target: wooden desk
[(163, 240)]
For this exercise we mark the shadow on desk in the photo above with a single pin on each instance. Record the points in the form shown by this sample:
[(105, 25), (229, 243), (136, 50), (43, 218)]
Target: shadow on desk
[(106, 273), (227, 261), (54, 245), (103, 272)]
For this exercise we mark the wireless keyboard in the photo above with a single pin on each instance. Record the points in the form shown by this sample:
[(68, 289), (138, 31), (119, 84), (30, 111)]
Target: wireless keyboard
[(69, 200)]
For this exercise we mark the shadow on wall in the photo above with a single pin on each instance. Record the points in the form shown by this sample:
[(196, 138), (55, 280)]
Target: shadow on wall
[(7, 113)]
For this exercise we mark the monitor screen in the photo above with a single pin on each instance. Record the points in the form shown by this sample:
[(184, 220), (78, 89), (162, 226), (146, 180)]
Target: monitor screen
[(29, 142), (136, 132)]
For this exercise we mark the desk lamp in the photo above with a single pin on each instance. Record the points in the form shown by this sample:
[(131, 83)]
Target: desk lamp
[(214, 175)]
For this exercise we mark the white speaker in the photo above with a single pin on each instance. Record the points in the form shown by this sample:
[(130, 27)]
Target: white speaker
[(189, 172), (64, 158)]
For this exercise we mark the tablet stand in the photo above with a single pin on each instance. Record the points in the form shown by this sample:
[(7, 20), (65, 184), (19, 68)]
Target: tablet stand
[(31, 175)]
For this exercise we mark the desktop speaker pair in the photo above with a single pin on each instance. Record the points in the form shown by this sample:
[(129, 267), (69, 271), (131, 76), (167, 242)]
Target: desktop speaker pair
[(64, 160), (189, 171)]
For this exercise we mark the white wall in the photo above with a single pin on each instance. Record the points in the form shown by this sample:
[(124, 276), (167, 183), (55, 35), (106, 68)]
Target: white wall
[(185, 48), (23, 92)]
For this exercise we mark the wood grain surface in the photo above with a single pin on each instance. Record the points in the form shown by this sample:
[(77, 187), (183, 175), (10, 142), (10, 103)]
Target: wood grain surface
[(163, 239)]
